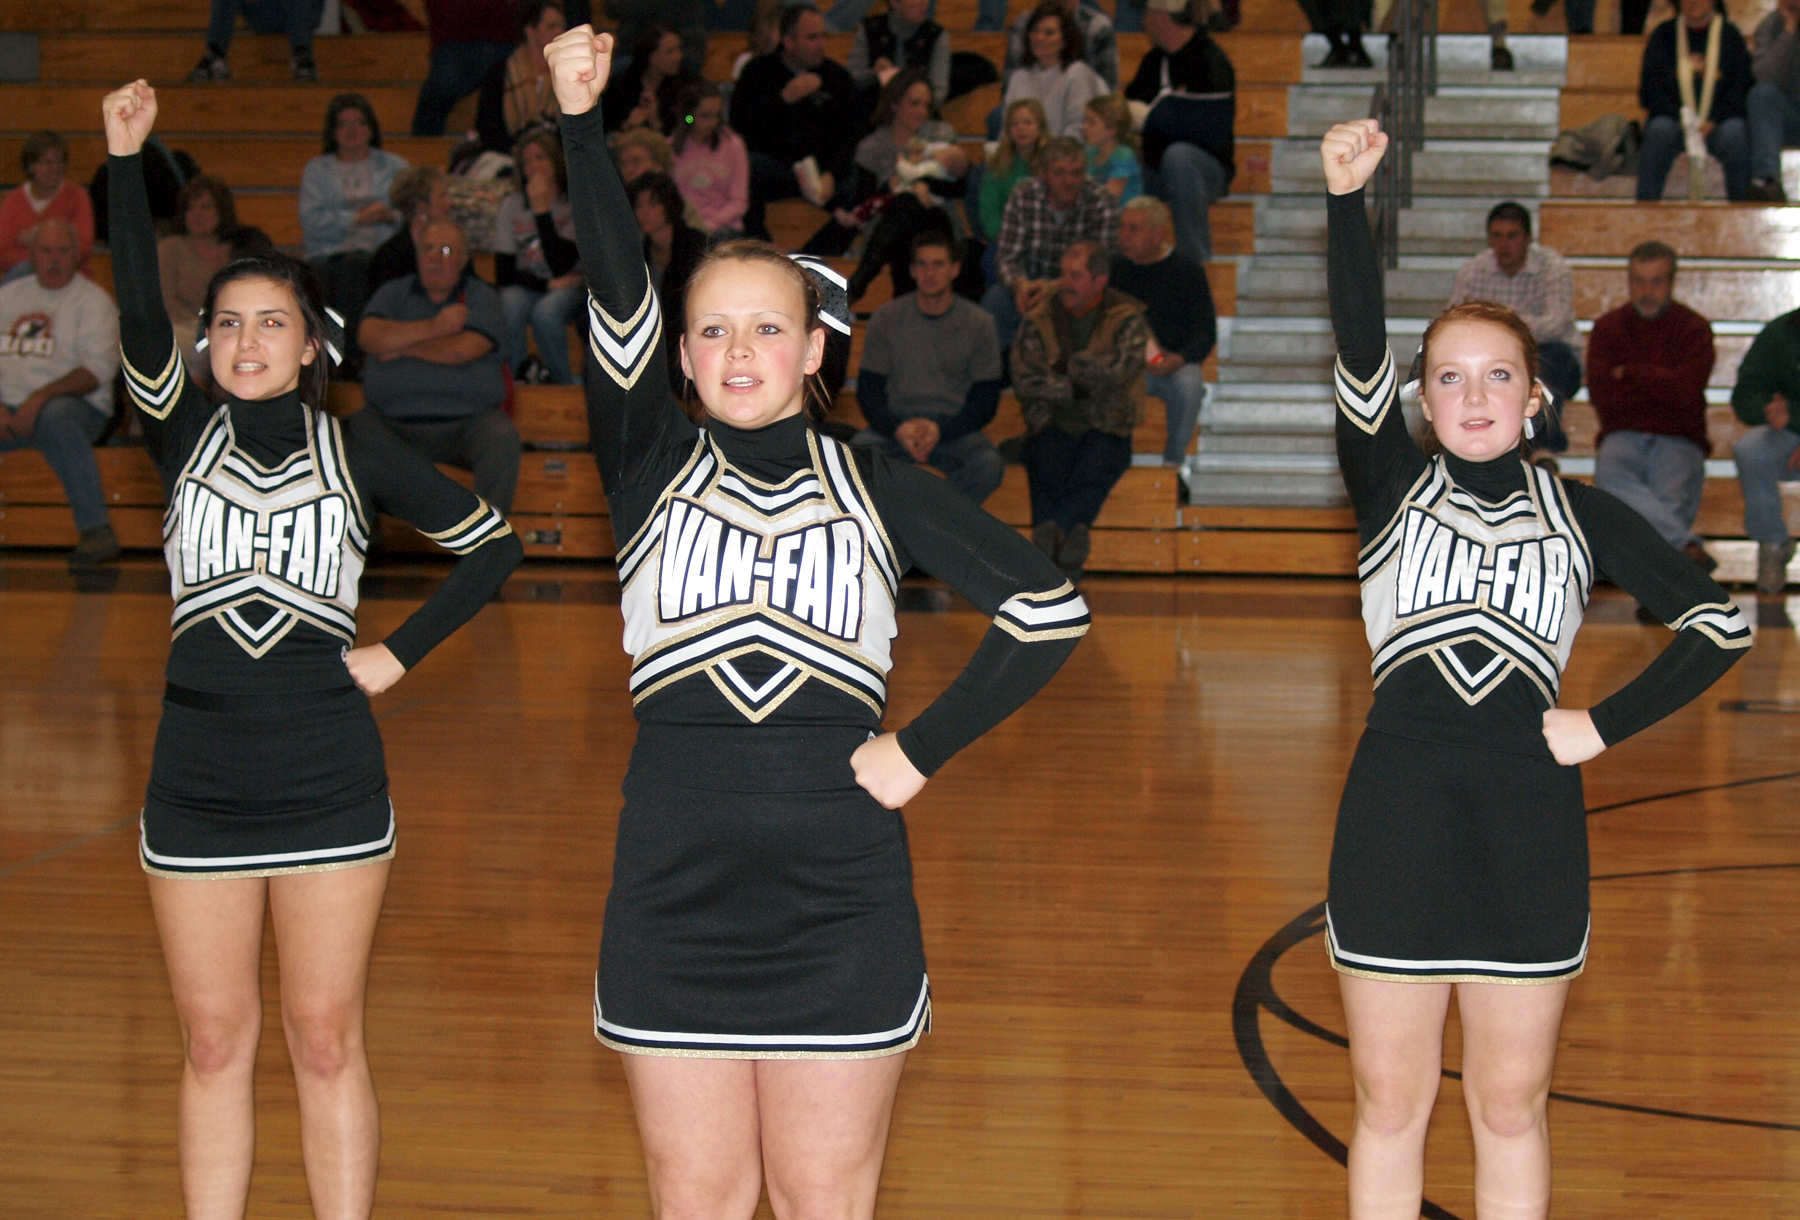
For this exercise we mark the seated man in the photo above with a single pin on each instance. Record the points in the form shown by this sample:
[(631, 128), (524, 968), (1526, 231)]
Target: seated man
[(903, 37), (59, 349), (1666, 86), (1534, 282), (432, 342), (1044, 214), (1190, 88), (791, 104), (1178, 307), (1768, 382), (1648, 361), (1773, 107), (1079, 374), (421, 194), (930, 375)]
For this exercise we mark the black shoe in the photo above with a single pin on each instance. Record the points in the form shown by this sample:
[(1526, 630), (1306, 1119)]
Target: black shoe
[(1073, 553), (1356, 57), (1501, 60), (1542, 7), (1338, 57), (305, 70), (212, 67), (1764, 191), (97, 546)]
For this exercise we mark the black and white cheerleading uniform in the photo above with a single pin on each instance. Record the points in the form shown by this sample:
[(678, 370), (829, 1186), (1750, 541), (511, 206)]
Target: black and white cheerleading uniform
[(1461, 844), (267, 758), (761, 904)]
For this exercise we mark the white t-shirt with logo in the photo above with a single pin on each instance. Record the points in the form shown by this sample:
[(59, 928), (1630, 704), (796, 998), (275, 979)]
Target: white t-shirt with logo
[(46, 335)]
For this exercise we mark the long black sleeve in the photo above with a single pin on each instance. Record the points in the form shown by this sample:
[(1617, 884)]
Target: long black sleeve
[(872, 398), (1710, 632), (393, 478), (559, 252), (639, 435), (979, 407), (1038, 616)]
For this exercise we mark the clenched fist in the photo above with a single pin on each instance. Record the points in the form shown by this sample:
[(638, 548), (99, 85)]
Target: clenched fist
[(1351, 151), (580, 63), (128, 113)]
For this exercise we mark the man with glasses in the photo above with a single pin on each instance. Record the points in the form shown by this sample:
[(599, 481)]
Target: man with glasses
[(431, 344)]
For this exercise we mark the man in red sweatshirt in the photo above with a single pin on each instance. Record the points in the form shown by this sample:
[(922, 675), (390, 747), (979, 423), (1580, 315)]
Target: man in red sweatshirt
[(1647, 365)]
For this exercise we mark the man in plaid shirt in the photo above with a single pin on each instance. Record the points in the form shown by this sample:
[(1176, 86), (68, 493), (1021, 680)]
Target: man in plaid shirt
[(1043, 216), (1535, 283)]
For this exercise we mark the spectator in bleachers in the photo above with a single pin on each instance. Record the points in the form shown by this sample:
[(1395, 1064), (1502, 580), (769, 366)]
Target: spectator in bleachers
[(527, 102), (1055, 74), (1772, 108), (1768, 384), (1189, 146), (1100, 45), (930, 375), (298, 19), (536, 264), (903, 37), (686, 17), (1647, 365), (712, 166), (344, 213), (420, 194), (1078, 369), (1112, 152), (1014, 159), (643, 151), (45, 193), (1178, 308), (470, 40), (1713, 86), (793, 105), (1045, 214), (764, 34), (433, 369), (59, 349), (672, 249), (1534, 282), (648, 93), (206, 219)]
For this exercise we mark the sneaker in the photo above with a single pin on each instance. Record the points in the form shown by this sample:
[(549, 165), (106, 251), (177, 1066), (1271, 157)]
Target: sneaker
[(1542, 8), (212, 66), (1073, 553), (1046, 538), (1501, 60), (1336, 58), (305, 70), (1765, 191), (1355, 56), (1771, 567), (97, 546), (1699, 557)]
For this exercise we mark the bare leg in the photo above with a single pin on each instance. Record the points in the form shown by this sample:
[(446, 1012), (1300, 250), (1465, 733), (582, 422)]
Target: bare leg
[(324, 929), (825, 1126), (1509, 1053), (211, 932), (1396, 1056), (698, 1120)]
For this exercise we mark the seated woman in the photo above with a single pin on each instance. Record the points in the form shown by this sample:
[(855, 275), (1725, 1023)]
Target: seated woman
[(46, 191), (1112, 150), (344, 213), (672, 249), (206, 220), (420, 194), (644, 150), (648, 93), (1056, 74), (536, 263), (712, 166), (527, 102)]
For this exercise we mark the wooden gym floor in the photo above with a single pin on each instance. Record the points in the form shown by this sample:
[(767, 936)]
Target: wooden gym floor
[(1134, 1017)]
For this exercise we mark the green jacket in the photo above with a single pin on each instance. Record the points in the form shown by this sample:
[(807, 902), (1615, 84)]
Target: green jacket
[(1771, 366)]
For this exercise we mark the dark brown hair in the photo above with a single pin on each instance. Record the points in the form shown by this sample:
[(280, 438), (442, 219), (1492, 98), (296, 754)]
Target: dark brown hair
[(412, 187), (1074, 46), (206, 184), (297, 277), (349, 101), (552, 146), (37, 144), (895, 90), (691, 97), (816, 402)]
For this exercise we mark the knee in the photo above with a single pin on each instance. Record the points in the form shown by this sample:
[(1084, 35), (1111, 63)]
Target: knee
[(1506, 1109), (496, 435), (222, 1041), (1395, 1102), (323, 1042), (1661, 129), (1765, 100)]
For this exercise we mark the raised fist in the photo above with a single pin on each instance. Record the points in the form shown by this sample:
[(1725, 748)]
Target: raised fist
[(128, 113), (1351, 151), (580, 62)]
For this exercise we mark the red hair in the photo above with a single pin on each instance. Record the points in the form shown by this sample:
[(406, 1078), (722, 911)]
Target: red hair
[(1483, 311)]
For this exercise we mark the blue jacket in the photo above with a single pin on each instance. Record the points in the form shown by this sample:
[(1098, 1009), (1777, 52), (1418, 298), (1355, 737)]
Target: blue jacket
[(328, 220)]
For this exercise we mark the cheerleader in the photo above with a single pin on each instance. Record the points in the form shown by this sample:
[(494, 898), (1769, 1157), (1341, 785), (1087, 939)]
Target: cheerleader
[(761, 966), (1460, 858), (268, 785)]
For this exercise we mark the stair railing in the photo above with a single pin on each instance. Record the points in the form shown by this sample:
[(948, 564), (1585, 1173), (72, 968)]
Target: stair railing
[(1400, 106)]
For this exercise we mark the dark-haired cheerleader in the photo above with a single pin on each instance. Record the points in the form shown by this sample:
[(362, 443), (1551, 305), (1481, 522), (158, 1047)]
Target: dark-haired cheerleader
[(268, 785)]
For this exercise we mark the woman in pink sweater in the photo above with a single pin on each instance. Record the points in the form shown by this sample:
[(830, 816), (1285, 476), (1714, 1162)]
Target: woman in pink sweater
[(45, 192), (712, 166)]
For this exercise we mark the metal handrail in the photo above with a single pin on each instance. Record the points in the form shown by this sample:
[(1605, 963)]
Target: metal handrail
[(1400, 106)]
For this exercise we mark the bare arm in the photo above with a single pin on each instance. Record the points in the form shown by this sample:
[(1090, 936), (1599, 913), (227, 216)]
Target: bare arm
[(382, 337)]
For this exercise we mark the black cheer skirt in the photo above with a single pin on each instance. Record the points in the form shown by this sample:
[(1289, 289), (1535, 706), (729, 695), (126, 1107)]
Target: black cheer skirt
[(260, 785), (1453, 864), (761, 904)]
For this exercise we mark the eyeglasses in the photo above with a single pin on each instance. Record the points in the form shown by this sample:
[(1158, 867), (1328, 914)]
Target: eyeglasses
[(445, 252)]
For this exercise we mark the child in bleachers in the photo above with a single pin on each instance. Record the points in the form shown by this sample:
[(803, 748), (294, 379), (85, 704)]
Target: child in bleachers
[(712, 166), (1013, 160), (45, 192), (1112, 150)]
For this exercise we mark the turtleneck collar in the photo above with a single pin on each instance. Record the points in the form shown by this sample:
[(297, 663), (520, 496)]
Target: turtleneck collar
[(1492, 480), (771, 452), (269, 429)]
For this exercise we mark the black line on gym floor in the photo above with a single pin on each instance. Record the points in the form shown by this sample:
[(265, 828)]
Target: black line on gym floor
[(1664, 796)]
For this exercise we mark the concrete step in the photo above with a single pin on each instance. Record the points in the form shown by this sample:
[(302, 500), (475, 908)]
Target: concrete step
[(1454, 226), (1458, 112), (1486, 168), (1266, 444), (1293, 285), (1272, 488), (1539, 60), (1225, 417)]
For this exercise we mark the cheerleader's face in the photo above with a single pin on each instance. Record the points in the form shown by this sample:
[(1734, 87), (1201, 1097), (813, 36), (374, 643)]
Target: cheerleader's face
[(748, 348), (257, 339), (1477, 389)]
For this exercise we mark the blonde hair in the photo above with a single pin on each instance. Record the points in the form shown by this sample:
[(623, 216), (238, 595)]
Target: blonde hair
[(1158, 210), (816, 402), (653, 142), (1111, 109), (1005, 152)]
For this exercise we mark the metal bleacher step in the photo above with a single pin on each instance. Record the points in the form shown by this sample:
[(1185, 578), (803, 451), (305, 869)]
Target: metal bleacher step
[(1293, 285), (1539, 61), (1295, 223), (1483, 168), (1458, 112)]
